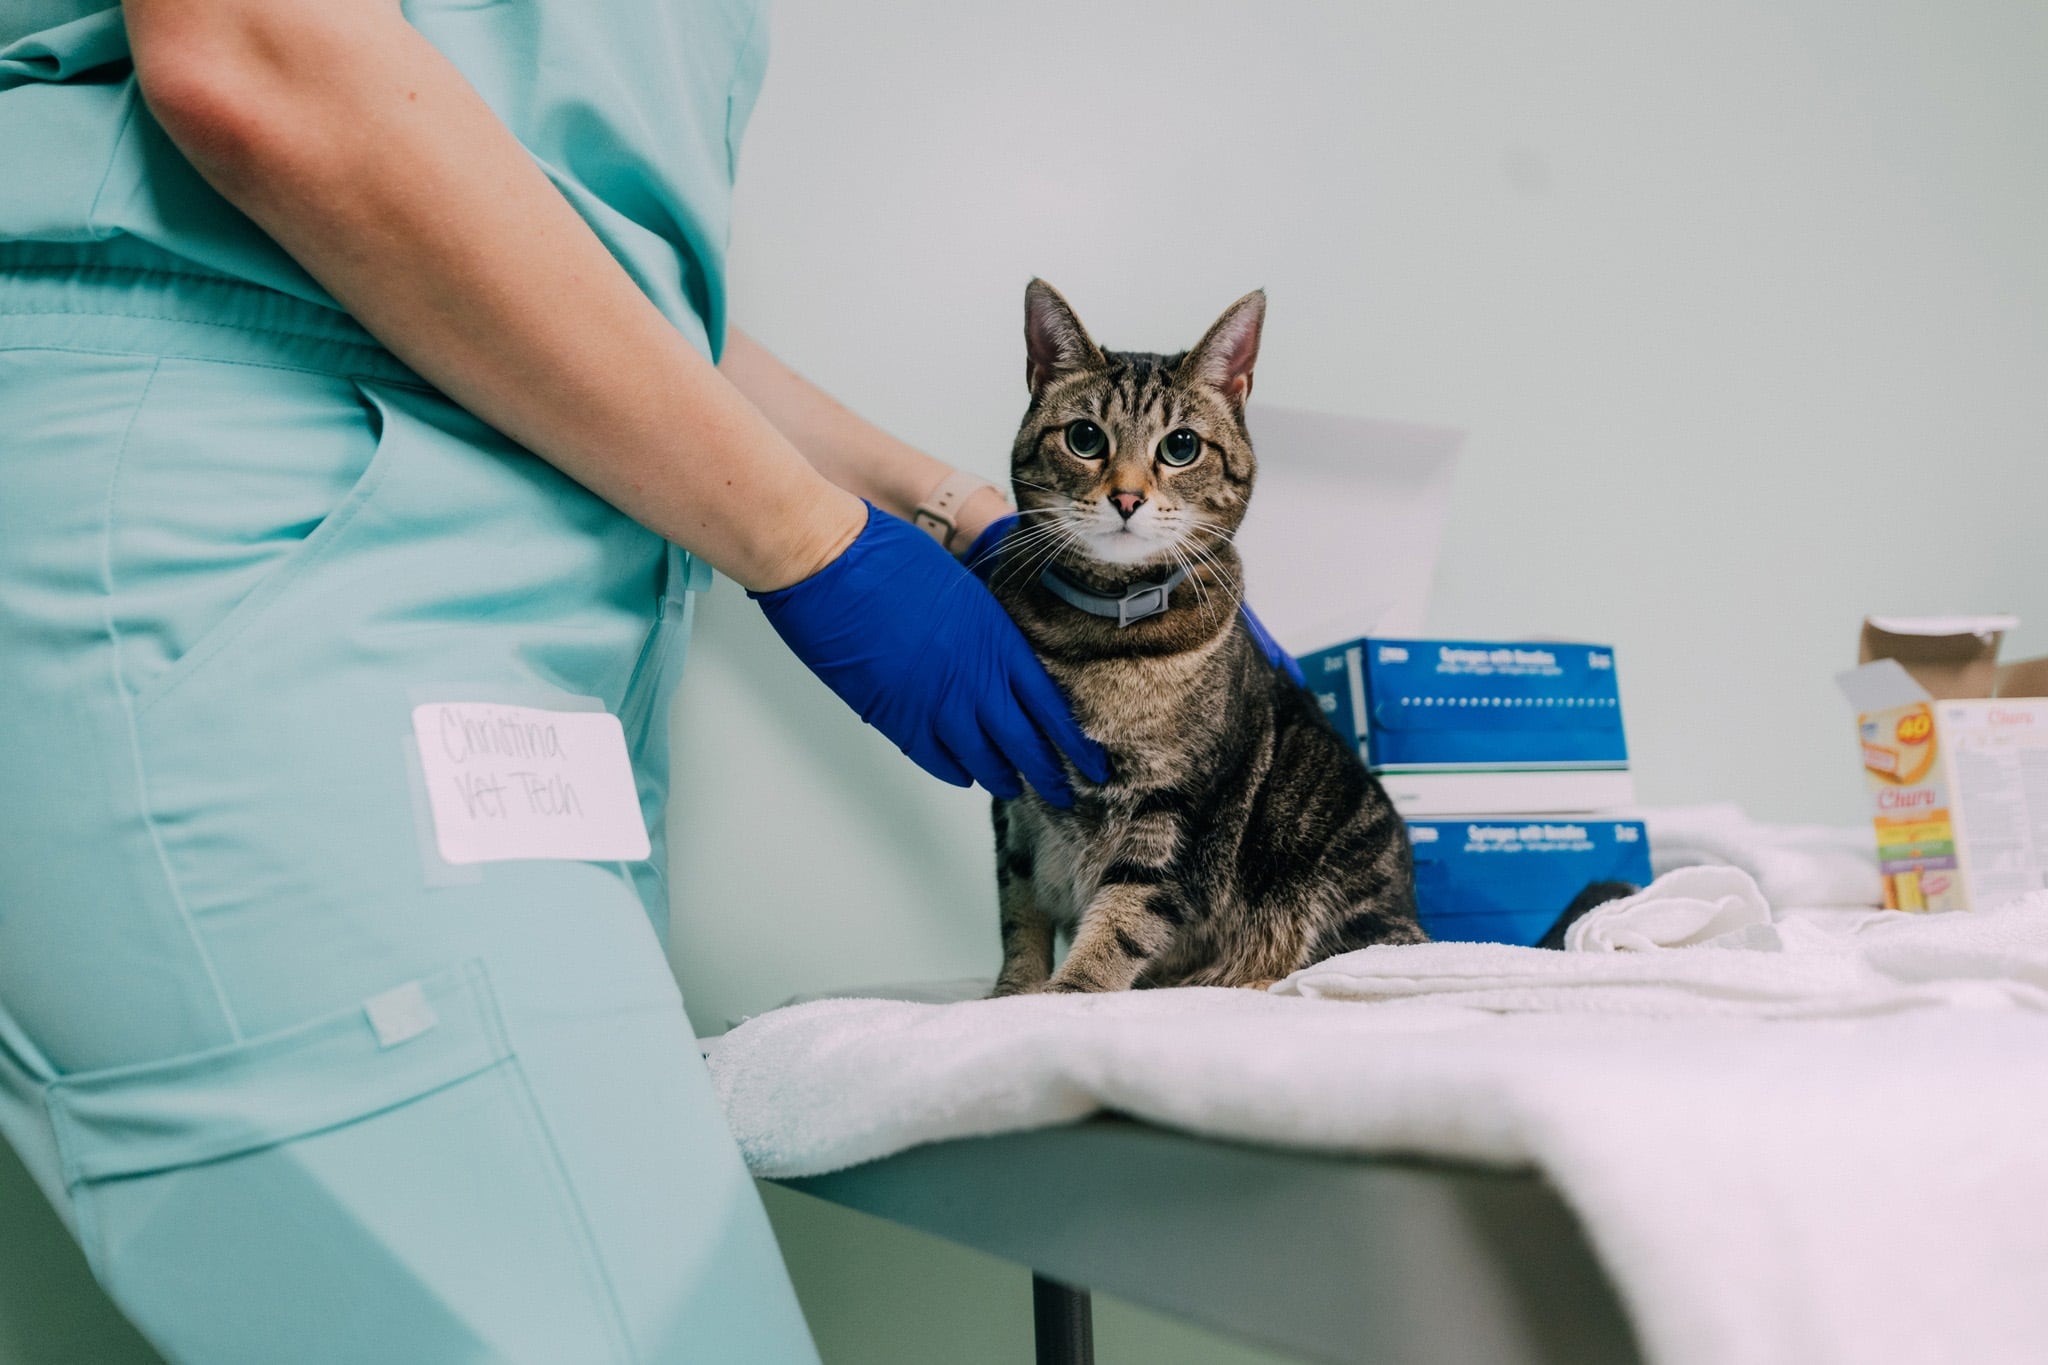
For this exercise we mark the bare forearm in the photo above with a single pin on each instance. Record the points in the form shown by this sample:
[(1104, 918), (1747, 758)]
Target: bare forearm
[(846, 448), (348, 138)]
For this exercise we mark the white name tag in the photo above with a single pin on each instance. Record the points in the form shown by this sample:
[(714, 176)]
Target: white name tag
[(510, 782)]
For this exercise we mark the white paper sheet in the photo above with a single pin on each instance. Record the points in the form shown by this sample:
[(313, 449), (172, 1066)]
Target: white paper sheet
[(1345, 524)]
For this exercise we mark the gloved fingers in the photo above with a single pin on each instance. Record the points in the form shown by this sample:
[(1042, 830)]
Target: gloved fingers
[(1022, 745), (1047, 706), (971, 748), (941, 765)]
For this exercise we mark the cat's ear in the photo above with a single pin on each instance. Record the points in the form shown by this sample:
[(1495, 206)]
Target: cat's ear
[(1224, 357), (1055, 343)]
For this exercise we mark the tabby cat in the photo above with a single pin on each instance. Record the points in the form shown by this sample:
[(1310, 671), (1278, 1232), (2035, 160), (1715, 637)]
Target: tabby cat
[(1239, 838)]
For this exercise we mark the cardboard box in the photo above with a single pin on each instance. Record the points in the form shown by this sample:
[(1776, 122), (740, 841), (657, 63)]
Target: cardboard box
[(1460, 727), (1507, 880), (1955, 755)]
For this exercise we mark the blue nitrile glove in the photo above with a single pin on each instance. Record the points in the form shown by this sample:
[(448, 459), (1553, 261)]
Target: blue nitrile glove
[(981, 556), (984, 554), (1275, 655), (909, 640)]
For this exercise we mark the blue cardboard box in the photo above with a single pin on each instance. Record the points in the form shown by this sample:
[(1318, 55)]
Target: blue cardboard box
[(1507, 880), (1472, 726)]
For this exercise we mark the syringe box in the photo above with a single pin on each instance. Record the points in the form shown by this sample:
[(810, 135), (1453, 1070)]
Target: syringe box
[(1458, 727), (1506, 879)]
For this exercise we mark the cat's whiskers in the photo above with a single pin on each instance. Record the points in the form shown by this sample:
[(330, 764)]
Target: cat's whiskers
[(1058, 515), (1214, 528), (1217, 569), (1015, 550), (1008, 544), (1029, 533), (1216, 566), (1039, 544), (1222, 533), (1045, 556), (1044, 512), (1201, 591)]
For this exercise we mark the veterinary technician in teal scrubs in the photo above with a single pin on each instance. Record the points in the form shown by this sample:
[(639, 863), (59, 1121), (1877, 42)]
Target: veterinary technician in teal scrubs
[(360, 443)]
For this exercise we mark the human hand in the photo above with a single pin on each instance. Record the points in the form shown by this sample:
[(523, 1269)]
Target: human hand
[(923, 652)]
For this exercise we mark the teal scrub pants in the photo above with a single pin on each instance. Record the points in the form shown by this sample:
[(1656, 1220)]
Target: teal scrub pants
[(303, 1092)]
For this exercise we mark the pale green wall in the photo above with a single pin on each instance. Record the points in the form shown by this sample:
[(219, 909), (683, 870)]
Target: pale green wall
[(1728, 294)]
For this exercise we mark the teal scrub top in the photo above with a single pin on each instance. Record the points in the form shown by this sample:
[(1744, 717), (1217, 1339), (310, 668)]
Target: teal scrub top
[(634, 108)]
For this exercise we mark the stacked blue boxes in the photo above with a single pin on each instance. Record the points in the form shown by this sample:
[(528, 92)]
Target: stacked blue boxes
[(1498, 753)]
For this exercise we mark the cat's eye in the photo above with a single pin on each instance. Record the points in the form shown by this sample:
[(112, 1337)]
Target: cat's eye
[(1085, 439), (1180, 447)]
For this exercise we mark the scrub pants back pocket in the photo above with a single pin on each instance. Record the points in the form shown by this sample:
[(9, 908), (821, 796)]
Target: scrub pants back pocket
[(377, 1185)]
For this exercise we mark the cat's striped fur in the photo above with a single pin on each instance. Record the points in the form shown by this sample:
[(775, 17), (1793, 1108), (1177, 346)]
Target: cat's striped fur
[(1239, 838)]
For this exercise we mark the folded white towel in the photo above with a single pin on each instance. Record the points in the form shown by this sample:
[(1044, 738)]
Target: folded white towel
[(1829, 1154), (1826, 964), (1691, 905)]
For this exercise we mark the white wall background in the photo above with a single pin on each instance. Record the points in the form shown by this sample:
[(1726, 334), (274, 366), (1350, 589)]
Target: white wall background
[(1745, 303)]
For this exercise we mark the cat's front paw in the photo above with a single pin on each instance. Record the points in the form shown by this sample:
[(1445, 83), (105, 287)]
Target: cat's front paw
[(1055, 986), (1067, 986)]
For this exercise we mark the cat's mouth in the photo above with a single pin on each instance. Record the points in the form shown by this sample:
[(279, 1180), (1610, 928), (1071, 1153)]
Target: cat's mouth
[(1125, 541), (1122, 546)]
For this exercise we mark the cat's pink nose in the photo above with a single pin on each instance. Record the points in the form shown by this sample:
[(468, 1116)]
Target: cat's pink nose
[(1127, 503)]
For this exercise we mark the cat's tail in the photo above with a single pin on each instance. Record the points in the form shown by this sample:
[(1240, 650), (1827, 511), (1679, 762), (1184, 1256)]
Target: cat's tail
[(1595, 894)]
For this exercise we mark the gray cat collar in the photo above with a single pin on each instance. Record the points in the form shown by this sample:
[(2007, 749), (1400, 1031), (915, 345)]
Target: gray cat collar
[(1136, 603)]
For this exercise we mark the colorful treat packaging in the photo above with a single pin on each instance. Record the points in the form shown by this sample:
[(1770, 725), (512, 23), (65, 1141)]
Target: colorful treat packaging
[(1955, 757)]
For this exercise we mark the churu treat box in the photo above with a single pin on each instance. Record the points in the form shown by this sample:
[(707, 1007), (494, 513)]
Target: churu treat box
[(1955, 757), (1506, 880), (1461, 727)]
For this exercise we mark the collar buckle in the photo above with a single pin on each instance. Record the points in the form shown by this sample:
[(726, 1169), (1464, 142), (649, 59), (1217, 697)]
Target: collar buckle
[(1139, 602)]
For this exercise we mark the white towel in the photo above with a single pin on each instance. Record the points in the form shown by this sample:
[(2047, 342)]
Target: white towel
[(1678, 949), (1692, 905), (1802, 865), (1831, 1153)]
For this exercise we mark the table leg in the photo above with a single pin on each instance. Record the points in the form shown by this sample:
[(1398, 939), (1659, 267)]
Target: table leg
[(1064, 1320)]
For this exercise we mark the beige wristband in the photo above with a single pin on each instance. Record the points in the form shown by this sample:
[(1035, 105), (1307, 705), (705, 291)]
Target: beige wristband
[(937, 515)]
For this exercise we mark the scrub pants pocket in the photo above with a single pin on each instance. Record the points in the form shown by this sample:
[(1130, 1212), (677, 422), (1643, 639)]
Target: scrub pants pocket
[(205, 533), (377, 1184)]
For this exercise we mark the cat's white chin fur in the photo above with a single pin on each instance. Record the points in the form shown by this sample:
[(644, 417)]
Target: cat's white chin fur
[(1123, 547)]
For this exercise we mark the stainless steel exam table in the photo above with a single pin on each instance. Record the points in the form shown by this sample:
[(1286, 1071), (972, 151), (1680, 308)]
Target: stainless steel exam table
[(1337, 1259)]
